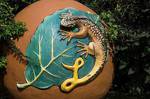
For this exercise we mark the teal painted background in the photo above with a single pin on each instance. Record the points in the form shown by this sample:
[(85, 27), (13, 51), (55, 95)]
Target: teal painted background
[(46, 31)]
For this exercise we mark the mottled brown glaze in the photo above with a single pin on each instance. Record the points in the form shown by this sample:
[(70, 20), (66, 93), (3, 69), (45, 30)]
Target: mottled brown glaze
[(32, 16)]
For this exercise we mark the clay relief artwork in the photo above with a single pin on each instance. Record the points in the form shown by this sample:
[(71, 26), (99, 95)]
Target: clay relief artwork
[(68, 49)]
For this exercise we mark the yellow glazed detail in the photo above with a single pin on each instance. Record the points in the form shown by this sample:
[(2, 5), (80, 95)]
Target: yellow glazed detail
[(70, 83)]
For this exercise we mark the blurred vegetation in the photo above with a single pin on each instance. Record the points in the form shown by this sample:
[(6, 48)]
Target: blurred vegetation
[(129, 32), (9, 30)]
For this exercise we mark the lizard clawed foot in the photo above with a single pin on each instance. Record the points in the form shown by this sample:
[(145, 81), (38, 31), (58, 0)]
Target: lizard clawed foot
[(66, 35), (85, 50)]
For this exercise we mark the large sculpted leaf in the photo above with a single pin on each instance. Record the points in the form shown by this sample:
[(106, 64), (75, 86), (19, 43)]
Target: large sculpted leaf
[(46, 53)]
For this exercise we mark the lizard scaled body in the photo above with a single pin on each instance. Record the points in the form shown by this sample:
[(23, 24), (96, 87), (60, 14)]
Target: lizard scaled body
[(98, 47)]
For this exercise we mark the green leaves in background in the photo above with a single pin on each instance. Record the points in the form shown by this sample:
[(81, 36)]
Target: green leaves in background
[(9, 31), (112, 24), (3, 62)]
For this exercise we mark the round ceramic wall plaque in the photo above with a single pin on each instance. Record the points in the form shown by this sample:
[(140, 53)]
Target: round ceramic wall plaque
[(67, 53)]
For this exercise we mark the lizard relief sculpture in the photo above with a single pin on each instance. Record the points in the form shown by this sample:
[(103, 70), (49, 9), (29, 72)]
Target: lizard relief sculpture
[(48, 56), (98, 47)]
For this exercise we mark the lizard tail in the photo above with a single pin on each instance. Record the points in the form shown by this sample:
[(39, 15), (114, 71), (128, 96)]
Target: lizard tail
[(71, 83), (97, 68)]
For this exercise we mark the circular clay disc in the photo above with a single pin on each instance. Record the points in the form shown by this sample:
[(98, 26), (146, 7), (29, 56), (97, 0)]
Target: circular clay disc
[(33, 16)]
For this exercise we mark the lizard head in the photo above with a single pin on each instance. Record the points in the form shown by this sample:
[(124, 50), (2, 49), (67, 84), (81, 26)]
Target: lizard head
[(67, 20)]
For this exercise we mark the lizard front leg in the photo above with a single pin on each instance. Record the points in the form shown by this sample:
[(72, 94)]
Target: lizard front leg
[(66, 35), (69, 35), (86, 49)]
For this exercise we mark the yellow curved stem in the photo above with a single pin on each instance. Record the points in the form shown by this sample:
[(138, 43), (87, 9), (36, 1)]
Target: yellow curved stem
[(70, 83)]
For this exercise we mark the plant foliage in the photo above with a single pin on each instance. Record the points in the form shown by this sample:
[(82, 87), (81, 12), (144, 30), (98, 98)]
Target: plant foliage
[(9, 29), (3, 62)]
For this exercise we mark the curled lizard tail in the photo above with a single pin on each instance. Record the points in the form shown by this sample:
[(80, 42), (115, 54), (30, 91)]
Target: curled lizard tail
[(71, 83)]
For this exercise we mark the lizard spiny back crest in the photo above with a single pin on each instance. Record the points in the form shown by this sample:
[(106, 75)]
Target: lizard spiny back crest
[(68, 20)]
